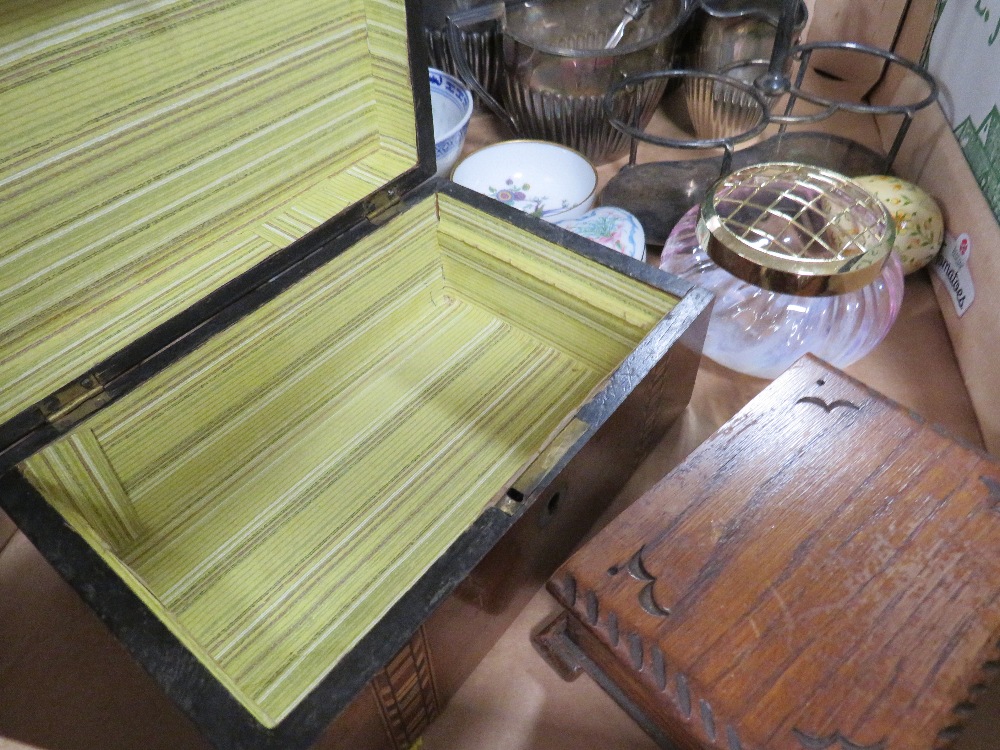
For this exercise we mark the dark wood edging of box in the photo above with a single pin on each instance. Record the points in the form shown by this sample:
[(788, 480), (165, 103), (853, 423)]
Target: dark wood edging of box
[(185, 680), (188, 683)]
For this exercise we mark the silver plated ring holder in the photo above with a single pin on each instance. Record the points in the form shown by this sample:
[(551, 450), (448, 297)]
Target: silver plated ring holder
[(658, 193)]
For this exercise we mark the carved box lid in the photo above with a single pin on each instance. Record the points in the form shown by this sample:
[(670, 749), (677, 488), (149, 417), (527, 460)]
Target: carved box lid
[(822, 573)]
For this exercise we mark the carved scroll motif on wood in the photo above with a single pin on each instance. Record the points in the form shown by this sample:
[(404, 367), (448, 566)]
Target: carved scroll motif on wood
[(647, 595), (646, 657), (828, 407)]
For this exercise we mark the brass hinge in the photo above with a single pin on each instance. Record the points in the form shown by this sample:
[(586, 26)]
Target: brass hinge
[(68, 406), (382, 206)]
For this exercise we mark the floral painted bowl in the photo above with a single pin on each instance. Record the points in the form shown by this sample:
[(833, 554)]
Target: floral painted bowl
[(451, 107), (611, 227), (544, 179)]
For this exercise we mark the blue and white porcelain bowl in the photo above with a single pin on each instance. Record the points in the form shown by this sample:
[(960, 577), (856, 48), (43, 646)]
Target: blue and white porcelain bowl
[(544, 179), (451, 106)]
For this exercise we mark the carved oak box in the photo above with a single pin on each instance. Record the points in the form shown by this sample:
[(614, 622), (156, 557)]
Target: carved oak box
[(821, 573), (268, 390)]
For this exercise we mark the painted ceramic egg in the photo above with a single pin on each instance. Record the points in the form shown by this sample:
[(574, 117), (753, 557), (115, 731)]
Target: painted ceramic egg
[(919, 223), (611, 227)]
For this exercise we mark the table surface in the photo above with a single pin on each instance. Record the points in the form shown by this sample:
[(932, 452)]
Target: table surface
[(76, 659), (515, 701)]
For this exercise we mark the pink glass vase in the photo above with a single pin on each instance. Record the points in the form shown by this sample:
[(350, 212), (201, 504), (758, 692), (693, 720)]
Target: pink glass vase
[(761, 333)]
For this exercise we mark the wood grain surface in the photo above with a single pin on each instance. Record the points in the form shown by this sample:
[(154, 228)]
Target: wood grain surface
[(820, 574)]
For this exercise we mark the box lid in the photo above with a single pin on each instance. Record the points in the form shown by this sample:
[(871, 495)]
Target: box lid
[(154, 153)]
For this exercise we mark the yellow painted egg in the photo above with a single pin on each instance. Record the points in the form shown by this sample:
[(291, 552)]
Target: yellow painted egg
[(919, 223)]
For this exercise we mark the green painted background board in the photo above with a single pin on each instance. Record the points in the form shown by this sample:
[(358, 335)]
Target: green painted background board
[(964, 55)]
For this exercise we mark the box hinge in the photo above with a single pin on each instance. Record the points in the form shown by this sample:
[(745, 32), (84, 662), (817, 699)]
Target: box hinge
[(383, 205), (70, 405)]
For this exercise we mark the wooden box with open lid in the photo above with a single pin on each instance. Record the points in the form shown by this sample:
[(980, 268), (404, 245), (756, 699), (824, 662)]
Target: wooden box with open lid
[(269, 390)]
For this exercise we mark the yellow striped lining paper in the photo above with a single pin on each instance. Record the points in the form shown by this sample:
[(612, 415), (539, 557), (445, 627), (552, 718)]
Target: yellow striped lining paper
[(153, 150), (271, 495)]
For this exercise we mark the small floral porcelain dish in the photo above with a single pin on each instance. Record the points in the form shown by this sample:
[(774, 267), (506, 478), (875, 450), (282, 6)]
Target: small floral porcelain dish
[(612, 227), (919, 223), (451, 107), (544, 179)]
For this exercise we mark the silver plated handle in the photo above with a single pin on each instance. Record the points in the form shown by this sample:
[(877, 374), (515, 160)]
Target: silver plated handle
[(457, 23)]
